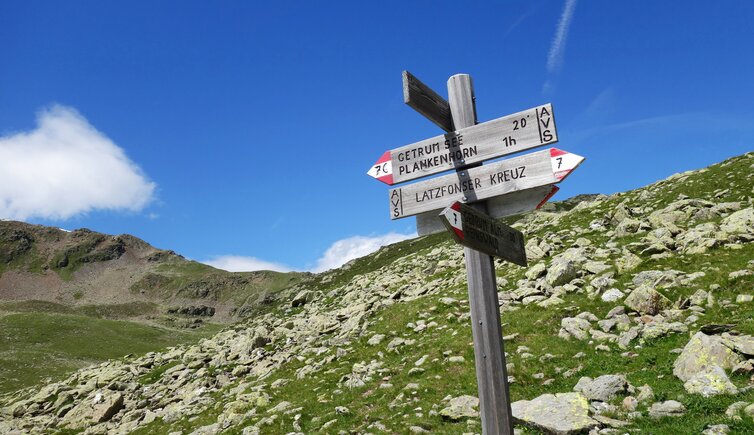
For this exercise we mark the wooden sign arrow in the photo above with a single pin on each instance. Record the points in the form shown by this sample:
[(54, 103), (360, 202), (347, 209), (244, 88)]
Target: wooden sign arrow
[(476, 230), (525, 172), (424, 100), (509, 204), (507, 135)]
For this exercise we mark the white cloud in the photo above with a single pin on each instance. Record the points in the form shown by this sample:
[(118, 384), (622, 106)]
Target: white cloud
[(64, 168), (557, 48), (346, 250), (338, 254), (239, 263)]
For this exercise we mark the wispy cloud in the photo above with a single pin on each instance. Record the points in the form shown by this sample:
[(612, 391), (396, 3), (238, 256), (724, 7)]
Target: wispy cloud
[(521, 18), (556, 55), (64, 168), (239, 263), (345, 250), (338, 254)]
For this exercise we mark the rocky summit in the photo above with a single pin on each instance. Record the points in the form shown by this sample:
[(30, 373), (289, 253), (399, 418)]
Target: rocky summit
[(634, 315)]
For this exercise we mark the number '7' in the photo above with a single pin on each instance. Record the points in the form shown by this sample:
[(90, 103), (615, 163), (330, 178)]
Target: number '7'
[(560, 161)]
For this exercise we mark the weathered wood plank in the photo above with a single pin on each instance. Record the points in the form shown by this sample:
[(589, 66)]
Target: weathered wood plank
[(498, 207), (424, 100), (524, 172), (489, 355), (510, 134)]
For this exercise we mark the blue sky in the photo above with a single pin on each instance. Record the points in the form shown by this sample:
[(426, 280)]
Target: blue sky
[(246, 128)]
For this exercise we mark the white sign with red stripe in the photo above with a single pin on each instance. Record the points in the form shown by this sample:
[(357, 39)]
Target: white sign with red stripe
[(482, 182), (507, 135)]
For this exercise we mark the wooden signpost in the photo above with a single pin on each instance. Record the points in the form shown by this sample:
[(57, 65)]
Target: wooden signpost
[(466, 145), (530, 170), (511, 186), (477, 230), (497, 207)]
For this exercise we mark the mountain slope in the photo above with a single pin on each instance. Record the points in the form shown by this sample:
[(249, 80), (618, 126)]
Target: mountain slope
[(85, 268), (615, 288)]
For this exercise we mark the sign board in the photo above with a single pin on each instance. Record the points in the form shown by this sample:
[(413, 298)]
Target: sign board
[(424, 100), (525, 172), (507, 135), (510, 204), (476, 230)]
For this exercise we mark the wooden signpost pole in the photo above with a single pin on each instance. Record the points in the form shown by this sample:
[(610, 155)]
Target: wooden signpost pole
[(489, 355)]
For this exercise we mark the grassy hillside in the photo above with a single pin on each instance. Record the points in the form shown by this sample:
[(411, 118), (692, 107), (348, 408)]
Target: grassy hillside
[(36, 345), (384, 344)]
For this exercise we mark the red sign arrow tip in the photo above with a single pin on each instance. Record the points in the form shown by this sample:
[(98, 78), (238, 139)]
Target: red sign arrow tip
[(382, 169), (563, 162)]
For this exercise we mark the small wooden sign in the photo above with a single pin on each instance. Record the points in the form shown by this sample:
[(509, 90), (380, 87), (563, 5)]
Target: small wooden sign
[(476, 230), (424, 100), (498, 207), (525, 172), (507, 135)]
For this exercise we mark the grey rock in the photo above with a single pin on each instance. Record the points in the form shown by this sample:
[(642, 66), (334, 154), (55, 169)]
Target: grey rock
[(561, 272), (302, 298), (740, 222), (701, 353), (743, 344), (536, 271), (711, 382), (461, 407), (647, 300), (563, 413), (603, 388), (669, 408), (576, 327), (734, 410), (97, 408), (612, 295), (716, 429)]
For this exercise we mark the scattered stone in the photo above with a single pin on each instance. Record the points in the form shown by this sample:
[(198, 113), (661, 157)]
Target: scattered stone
[(603, 388), (461, 407), (375, 339), (669, 408), (536, 271), (563, 413), (301, 298), (701, 353), (576, 327), (561, 272), (646, 394), (716, 429), (711, 382), (740, 299), (733, 412), (646, 300), (612, 295), (97, 408)]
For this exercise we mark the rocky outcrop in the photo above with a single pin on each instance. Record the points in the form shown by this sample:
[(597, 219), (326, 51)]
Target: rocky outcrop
[(563, 414)]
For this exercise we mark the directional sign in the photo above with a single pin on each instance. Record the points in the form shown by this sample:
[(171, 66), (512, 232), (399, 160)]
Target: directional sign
[(525, 172), (476, 230), (509, 134), (424, 100), (509, 204)]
